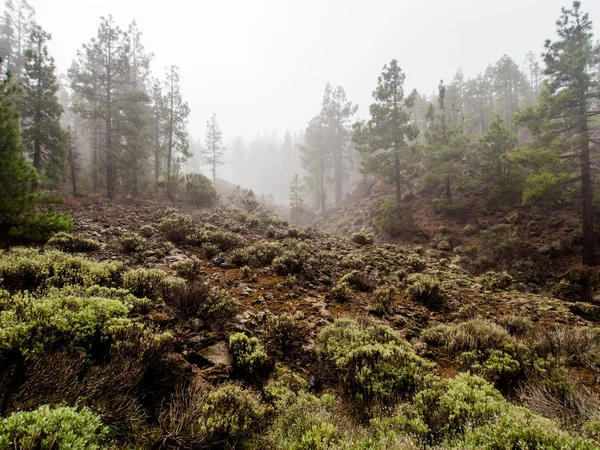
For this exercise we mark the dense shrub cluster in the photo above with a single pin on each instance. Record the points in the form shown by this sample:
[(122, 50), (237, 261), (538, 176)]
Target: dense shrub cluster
[(374, 363), (392, 219), (66, 242), (425, 289), (41, 226), (199, 190), (249, 356), (132, 243)]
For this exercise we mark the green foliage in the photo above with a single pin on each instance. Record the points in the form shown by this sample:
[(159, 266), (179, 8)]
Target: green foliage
[(363, 238), (38, 324), (144, 282), (500, 242), (249, 356), (28, 269), (383, 299), (66, 242), (392, 219), (16, 175), (132, 243), (283, 331), (177, 227), (541, 190), (210, 250), (359, 280), (53, 428), (496, 281), (425, 289), (296, 261), (447, 408), (518, 428), (341, 292), (199, 191), (41, 226), (230, 413), (373, 363), (188, 268), (147, 231)]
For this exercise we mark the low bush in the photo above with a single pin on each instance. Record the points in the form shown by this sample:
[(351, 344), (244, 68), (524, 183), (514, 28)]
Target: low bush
[(195, 299), (176, 227), (199, 190), (373, 363), (53, 428), (363, 238), (147, 231), (296, 261), (425, 290), (359, 281), (66, 242), (496, 281), (210, 250), (144, 282), (392, 219), (249, 356), (132, 243), (447, 408), (282, 331), (341, 292), (29, 269), (188, 268), (383, 299)]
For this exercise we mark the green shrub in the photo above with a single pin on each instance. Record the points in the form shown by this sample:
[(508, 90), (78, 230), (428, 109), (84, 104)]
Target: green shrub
[(249, 356), (28, 269), (446, 408), (132, 243), (296, 261), (266, 252), (147, 231), (496, 281), (363, 238), (41, 226), (242, 257), (542, 189), (230, 413), (393, 219), (53, 428), (425, 289), (195, 299), (176, 227), (518, 428), (341, 292), (444, 206), (359, 281), (225, 240), (199, 190), (210, 250), (304, 422), (66, 242), (500, 242), (282, 331), (415, 263), (470, 230), (144, 282), (188, 268), (383, 299), (373, 363), (38, 324)]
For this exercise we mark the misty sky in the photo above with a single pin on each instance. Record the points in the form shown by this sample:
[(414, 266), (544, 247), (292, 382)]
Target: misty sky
[(263, 64)]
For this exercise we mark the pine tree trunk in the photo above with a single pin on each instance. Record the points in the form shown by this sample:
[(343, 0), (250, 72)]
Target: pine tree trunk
[(156, 151), (73, 168), (397, 178), (110, 170), (95, 158), (589, 248), (449, 189)]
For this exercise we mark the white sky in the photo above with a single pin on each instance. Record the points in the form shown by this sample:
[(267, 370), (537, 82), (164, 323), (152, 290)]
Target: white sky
[(263, 64)]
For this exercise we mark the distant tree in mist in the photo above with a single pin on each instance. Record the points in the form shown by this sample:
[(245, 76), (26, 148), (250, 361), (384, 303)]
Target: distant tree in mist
[(296, 201), (101, 76), (315, 158), (213, 149), (446, 145), (16, 25), (43, 136), (177, 112), (569, 105), (384, 139)]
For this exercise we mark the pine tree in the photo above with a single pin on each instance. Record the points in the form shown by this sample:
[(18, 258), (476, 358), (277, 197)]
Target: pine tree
[(296, 201), (446, 146), (213, 150), (564, 117), (100, 77), (16, 25), (337, 112), (315, 158), (384, 140), (16, 176), (177, 113), (43, 135)]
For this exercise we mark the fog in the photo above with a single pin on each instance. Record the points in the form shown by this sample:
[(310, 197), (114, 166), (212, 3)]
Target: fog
[(261, 66)]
